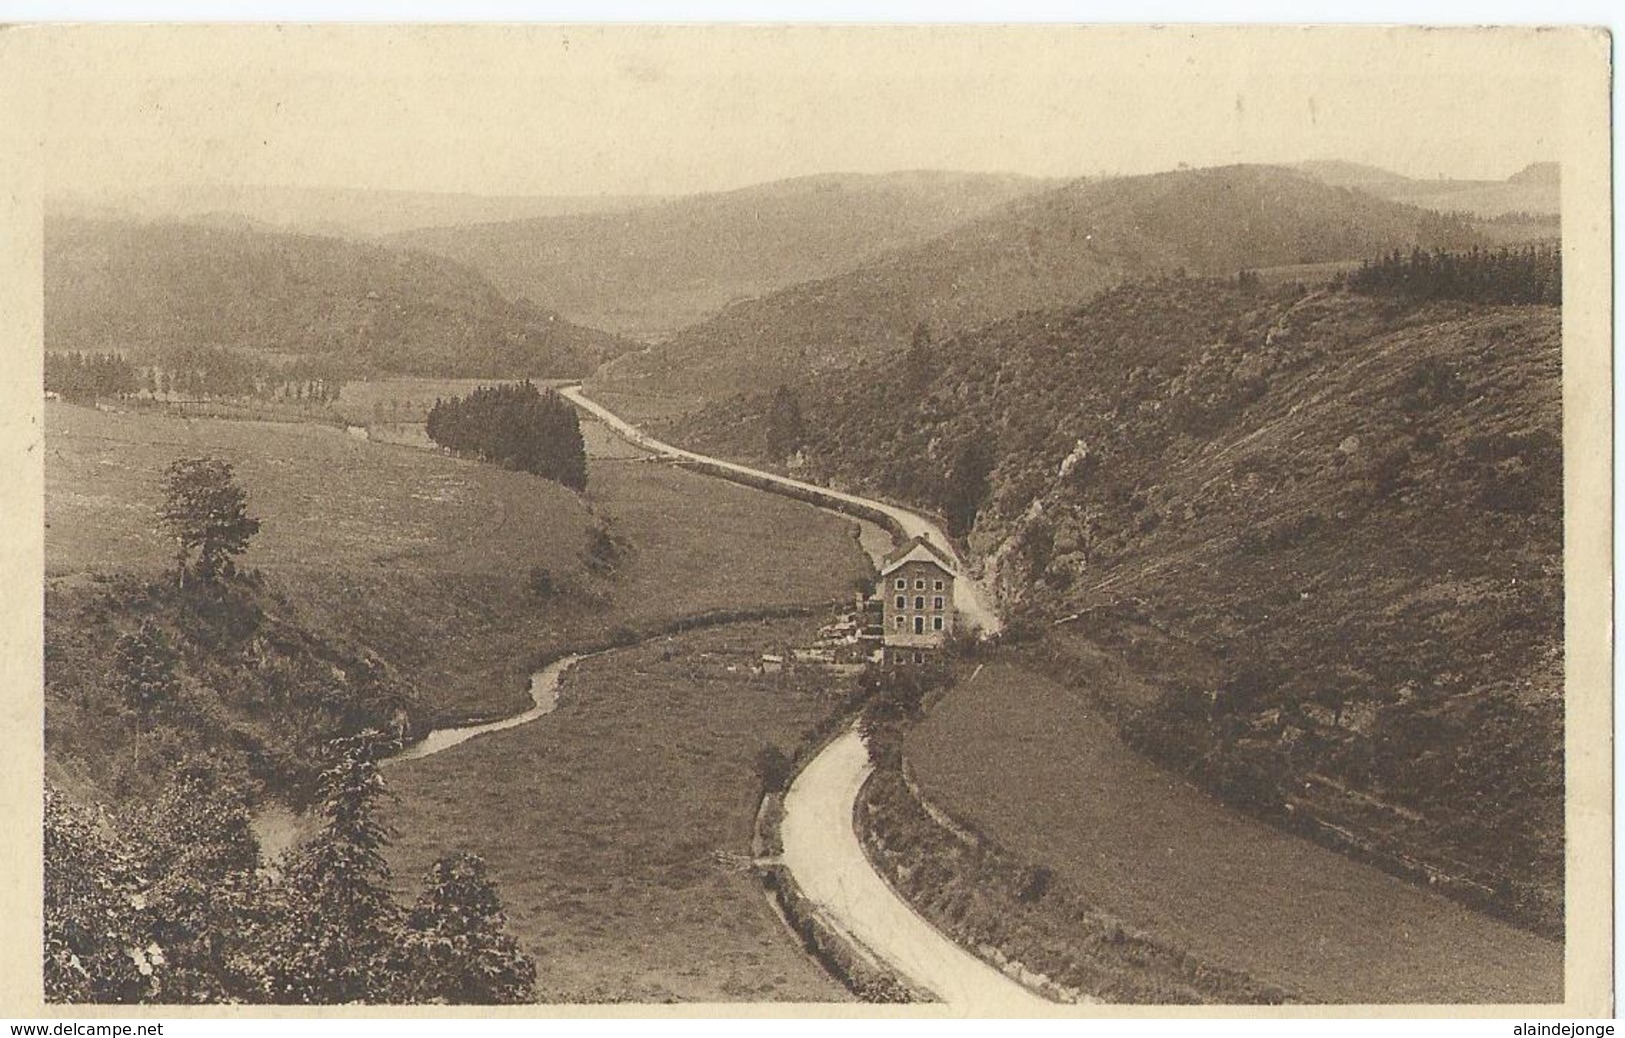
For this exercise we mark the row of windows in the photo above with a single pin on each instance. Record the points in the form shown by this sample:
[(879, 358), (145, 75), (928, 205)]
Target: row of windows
[(901, 623), (919, 602), (919, 585)]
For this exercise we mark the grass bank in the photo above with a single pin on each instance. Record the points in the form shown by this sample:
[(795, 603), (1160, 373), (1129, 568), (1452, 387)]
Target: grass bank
[(1030, 765)]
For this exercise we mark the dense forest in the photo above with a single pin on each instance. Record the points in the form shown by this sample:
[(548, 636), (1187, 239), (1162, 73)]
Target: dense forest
[(1324, 527), (517, 426), (1526, 276)]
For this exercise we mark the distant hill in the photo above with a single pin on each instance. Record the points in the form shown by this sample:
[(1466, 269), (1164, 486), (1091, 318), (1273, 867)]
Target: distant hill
[(651, 270), (340, 212), (1056, 248), (1310, 541), (146, 288), (1534, 189)]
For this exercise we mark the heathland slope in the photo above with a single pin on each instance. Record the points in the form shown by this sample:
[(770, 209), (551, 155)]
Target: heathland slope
[(1056, 248), (650, 270), (1305, 544), (147, 289)]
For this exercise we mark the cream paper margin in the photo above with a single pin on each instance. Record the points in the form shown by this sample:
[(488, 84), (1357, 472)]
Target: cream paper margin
[(1577, 58)]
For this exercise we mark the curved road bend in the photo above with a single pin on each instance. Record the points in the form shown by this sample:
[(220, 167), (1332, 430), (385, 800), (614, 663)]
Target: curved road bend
[(823, 853), (970, 600), (821, 848)]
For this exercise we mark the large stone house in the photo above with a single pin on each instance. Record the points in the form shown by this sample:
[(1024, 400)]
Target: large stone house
[(916, 592)]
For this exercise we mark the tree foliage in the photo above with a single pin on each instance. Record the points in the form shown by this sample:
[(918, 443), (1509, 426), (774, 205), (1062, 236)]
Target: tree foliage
[(90, 376), (516, 426), (205, 511), (145, 668), (454, 946), (1529, 275)]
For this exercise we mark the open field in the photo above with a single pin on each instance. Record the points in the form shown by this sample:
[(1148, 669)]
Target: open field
[(1033, 766), (618, 828), (424, 559)]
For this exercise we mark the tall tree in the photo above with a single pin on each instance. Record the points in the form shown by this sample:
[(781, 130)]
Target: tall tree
[(337, 942), (205, 511)]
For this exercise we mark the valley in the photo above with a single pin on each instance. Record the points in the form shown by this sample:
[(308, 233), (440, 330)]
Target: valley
[(1249, 479)]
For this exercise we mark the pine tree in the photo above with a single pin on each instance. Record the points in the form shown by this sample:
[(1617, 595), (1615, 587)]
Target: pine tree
[(454, 947), (339, 928), (205, 511)]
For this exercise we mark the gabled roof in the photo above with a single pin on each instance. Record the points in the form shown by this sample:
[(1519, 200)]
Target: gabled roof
[(920, 549)]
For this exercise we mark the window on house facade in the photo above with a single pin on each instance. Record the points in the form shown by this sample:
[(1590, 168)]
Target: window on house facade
[(902, 601), (919, 601), (899, 624), (936, 603), (919, 585), (901, 583), (937, 586), (936, 623), (919, 625)]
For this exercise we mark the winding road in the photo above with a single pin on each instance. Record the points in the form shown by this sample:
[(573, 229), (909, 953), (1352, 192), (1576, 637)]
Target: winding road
[(821, 847), (971, 600)]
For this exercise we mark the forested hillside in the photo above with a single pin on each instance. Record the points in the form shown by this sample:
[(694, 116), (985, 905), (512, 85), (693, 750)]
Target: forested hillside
[(1057, 248), (1317, 533), (148, 289), (652, 269)]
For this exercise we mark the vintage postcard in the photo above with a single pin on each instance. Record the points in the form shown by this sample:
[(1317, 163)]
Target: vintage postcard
[(842, 521)]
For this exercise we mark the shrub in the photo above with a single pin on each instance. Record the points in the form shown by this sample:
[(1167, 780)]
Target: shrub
[(775, 768)]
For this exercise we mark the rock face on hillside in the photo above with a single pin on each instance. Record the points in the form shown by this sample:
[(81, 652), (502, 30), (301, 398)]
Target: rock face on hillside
[(1326, 529), (1057, 248), (146, 288)]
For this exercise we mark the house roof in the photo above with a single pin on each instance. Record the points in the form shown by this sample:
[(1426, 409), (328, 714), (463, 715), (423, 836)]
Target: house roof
[(920, 549)]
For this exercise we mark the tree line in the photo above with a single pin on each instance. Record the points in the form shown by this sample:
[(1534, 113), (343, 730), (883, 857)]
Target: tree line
[(193, 372), (90, 376), (1527, 275), (516, 426)]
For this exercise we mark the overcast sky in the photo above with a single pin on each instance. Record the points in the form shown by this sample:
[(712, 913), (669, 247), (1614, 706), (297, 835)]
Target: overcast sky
[(584, 111)]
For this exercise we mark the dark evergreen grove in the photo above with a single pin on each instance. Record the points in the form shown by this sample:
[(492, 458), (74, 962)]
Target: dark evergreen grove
[(1533, 274), (517, 426), (88, 376)]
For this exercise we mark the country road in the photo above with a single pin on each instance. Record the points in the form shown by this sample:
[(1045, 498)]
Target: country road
[(971, 600), (821, 848), (823, 853)]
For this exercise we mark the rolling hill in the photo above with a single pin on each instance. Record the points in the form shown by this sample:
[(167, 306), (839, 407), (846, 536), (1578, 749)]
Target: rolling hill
[(1304, 545), (341, 212), (147, 288), (1057, 248), (651, 270), (1536, 189)]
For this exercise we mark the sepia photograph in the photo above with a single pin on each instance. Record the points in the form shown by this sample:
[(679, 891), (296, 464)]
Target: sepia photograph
[(970, 520)]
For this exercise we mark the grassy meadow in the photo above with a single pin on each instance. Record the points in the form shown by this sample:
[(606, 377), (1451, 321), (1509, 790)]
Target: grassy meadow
[(425, 559), (618, 827), (1032, 765)]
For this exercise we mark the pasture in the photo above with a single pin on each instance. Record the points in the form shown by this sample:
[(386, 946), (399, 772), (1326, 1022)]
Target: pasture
[(425, 559), (618, 828), (1033, 766)]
